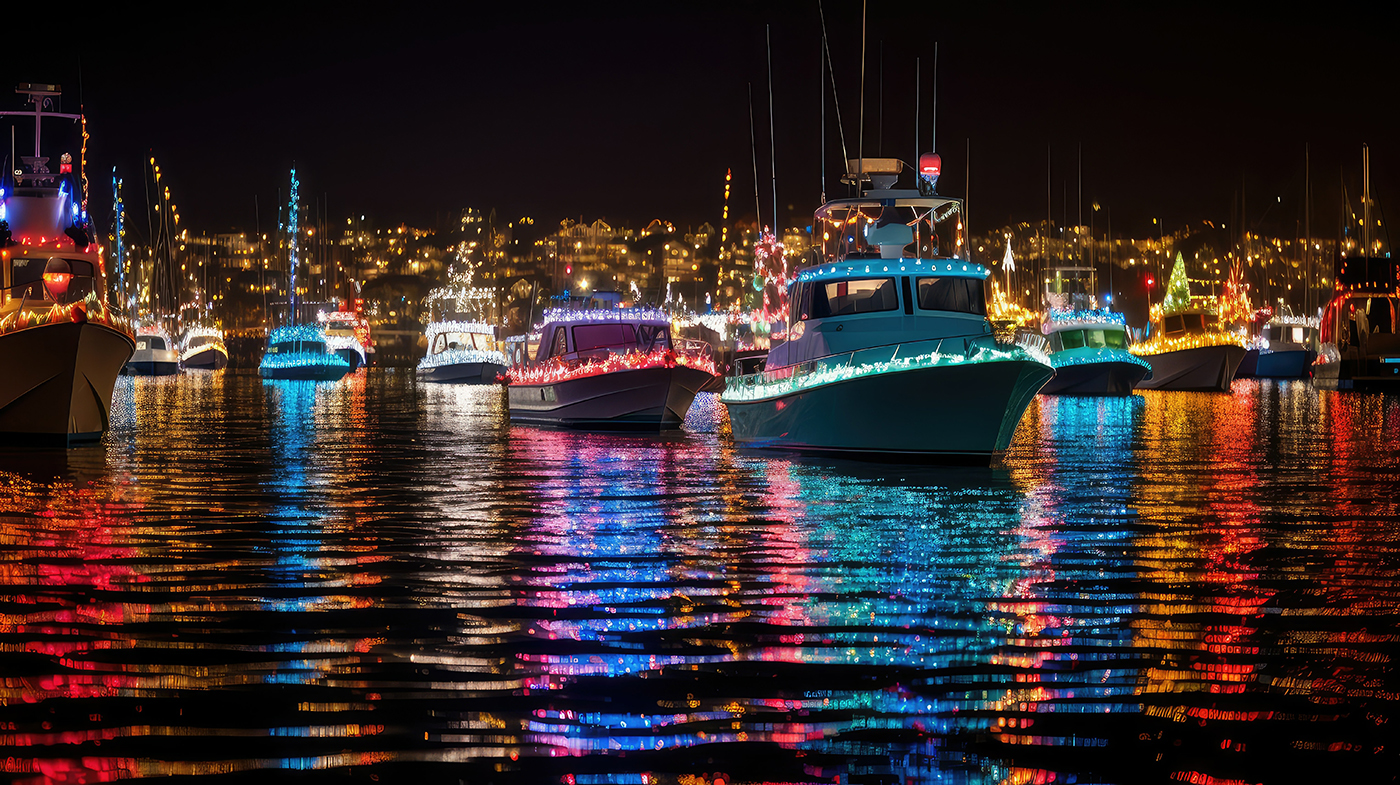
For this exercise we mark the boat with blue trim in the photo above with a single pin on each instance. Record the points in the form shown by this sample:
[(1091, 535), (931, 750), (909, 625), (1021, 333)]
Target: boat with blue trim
[(609, 369), (462, 352), (893, 319), (1088, 345), (1089, 350), (1287, 346), (61, 343), (300, 352)]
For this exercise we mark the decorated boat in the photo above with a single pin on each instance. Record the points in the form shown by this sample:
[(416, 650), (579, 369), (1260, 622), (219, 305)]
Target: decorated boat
[(462, 352), (1287, 346), (1360, 329), (1089, 351), (300, 352), (61, 344), (893, 319), (1088, 345), (1189, 348), (347, 334), (156, 354), (204, 349), (614, 368)]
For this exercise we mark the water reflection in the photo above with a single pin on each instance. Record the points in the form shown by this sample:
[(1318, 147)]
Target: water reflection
[(380, 577)]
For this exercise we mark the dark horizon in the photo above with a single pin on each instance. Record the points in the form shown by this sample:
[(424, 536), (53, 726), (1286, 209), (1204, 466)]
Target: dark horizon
[(634, 112)]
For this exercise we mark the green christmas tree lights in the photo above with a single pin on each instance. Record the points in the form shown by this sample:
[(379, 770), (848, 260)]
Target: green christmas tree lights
[(1178, 297)]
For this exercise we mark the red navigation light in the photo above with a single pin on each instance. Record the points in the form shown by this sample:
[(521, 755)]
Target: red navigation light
[(57, 284), (930, 164), (1150, 282), (569, 270)]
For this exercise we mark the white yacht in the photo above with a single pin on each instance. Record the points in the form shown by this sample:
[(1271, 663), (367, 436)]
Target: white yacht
[(462, 352), (347, 334), (156, 354), (893, 320), (1287, 347), (616, 368), (204, 349), (61, 345)]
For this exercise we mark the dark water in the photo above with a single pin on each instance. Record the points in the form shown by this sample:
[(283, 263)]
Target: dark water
[(378, 580)]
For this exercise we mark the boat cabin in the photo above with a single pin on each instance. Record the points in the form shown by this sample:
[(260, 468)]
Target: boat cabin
[(837, 308), (1189, 323), (1098, 336), (452, 336), (573, 336), (296, 340), (152, 342)]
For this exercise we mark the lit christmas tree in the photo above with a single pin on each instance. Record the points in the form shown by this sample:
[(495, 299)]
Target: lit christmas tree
[(1178, 296), (771, 276)]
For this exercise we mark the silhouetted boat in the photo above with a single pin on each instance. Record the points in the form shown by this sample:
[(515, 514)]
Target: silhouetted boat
[(61, 347)]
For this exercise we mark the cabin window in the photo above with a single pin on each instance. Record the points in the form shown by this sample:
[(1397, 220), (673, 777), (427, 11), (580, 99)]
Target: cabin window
[(651, 337), (156, 342), (1173, 325), (863, 295), (959, 295), (1072, 339), (801, 301), (1115, 339), (560, 345), (604, 336)]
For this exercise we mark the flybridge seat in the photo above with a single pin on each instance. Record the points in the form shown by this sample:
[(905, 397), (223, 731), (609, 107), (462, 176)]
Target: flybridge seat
[(881, 173)]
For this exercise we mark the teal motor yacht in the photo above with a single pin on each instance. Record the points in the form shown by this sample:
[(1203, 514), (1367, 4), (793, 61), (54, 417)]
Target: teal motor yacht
[(462, 352), (889, 355), (300, 352), (1089, 350), (609, 369)]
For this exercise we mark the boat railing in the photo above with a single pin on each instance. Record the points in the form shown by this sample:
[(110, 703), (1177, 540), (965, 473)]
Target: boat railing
[(874, 357)]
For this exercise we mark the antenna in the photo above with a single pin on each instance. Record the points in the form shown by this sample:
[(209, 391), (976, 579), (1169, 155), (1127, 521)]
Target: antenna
[(917, 74), (880, 124), (772, 138), (835, 98), (934, 148), (821, 81), (860, 143), (753, 145)]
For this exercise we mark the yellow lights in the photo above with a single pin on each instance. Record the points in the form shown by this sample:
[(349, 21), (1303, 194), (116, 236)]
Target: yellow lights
[(1160, 344)]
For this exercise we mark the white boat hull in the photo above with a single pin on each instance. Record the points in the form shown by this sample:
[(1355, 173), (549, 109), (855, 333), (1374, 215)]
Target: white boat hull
[(1205, 368), (956, 413), (462, 373), (213, 358), (152, 362), (57, 386), (639, 399)]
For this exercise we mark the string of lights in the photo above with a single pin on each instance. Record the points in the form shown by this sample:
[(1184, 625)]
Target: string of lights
[(555, 372)]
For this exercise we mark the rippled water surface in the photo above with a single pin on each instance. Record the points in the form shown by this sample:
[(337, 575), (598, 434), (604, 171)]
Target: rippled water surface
[(376, 579)]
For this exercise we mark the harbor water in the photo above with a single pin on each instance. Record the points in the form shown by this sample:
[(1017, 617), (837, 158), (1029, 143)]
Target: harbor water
[(383, 580)]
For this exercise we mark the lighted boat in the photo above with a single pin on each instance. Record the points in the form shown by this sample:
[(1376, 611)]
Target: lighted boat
[(1088, 345), (892, 321), (1188, 348), (462, 352), (301, 352), (61, 345), (347, 334), (1089, 351), (1190, 351), (1360, 330), (1287, 347), (155, 355), (609, 369), (204, 349)]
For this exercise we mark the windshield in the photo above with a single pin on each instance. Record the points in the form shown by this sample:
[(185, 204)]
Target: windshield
[(959, 295)]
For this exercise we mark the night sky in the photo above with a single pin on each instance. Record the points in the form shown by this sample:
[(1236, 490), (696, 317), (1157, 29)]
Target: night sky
[(633, 112)]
